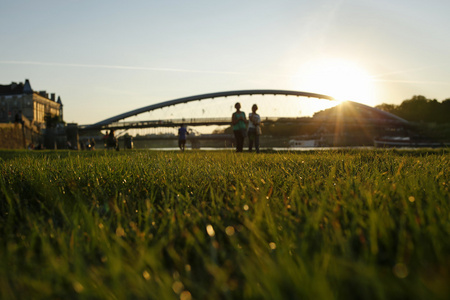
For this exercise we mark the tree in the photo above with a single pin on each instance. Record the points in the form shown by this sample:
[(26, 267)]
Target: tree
[(51, 121), (390, 108), (420, 109)]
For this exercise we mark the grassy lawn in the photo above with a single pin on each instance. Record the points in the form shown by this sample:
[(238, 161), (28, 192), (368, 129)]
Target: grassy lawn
[(354, 224)]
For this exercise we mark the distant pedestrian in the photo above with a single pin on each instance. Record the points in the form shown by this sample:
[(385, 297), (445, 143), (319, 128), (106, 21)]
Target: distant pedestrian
[(18, 118), (254, 129), (112, 141), (239, 123), (105, 139), (182, 132)]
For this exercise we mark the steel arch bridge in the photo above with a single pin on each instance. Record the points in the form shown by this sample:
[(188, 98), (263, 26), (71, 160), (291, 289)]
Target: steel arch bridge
[(106, 122)]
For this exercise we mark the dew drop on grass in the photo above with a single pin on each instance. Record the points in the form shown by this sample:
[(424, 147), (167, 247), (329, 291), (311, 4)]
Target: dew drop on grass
[(210, 230), (146, 275), (215, 244), (229, 230), (120, 232), (176, 275), (187, 268), (400, 270), (185, 295), (177, 287), (78, 287)]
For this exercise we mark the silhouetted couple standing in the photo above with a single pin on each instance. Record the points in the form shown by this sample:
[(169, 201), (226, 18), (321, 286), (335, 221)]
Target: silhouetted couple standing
[(239, 123)]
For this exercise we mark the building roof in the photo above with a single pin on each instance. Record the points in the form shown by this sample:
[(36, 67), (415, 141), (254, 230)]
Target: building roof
[(11, 89), (27, 87), (23, 88), (16, 88)]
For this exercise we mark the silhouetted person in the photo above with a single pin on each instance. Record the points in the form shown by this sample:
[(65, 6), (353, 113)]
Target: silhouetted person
[(112, 141), (182, 132), (18, 118), (87, 144), (105, 139), (254, 129), (239, 122)]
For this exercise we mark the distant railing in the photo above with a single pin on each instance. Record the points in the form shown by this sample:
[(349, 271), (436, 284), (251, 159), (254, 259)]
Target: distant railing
[(226, 121), (169, 123)]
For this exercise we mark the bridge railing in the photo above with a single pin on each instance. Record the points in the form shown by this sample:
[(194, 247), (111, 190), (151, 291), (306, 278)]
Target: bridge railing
[(170, 123)]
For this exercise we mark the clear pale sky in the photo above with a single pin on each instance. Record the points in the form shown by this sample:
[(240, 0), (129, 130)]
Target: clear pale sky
[(108, 57)]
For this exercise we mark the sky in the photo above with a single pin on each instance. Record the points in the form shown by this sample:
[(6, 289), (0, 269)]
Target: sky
[(104, 58)]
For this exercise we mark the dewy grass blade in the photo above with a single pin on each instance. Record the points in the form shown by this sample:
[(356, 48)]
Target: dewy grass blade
[(160, 225)]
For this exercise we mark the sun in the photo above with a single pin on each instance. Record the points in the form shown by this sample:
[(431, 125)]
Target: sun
[(341, 79)]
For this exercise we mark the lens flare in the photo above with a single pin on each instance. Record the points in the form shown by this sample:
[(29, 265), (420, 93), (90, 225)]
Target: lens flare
[(344, 80)]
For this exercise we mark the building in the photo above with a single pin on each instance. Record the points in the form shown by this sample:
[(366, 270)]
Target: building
[(19, 99)]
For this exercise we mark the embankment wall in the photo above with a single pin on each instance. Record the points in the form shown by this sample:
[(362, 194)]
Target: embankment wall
[(11, 136), (14, 136)]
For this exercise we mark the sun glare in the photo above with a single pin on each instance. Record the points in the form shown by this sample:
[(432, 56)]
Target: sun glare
[(341, 79)]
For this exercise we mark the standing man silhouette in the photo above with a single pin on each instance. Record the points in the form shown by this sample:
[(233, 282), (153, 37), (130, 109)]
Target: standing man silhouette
[(239, 123), (182, 131), (254, 129)]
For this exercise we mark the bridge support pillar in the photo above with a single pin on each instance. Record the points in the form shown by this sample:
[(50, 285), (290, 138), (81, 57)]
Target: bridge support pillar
[(72, 135)]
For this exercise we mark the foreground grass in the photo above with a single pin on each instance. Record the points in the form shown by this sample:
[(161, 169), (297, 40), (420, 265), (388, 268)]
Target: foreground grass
[(207, 225)]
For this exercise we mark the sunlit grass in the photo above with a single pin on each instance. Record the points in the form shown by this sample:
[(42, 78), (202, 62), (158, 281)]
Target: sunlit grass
[(217, 225)]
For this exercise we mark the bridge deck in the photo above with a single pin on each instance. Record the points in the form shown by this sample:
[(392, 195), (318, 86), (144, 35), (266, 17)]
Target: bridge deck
[(212, 121), (167, 123)]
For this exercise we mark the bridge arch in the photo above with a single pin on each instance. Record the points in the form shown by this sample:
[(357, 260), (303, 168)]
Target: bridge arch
[(227, 94)]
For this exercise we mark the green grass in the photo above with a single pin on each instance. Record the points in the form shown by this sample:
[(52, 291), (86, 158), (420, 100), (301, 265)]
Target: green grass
[(220, 225)]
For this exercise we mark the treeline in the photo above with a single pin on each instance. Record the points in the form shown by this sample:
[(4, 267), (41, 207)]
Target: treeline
[(420, 109)]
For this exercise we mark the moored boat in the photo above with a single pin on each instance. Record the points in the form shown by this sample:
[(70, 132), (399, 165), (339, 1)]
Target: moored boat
[(303, 143), (404, 141)]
